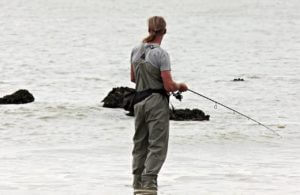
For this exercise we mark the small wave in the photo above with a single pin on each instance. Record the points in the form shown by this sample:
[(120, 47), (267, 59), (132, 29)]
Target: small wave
[(254, 77), (93, 79), (47, 117)]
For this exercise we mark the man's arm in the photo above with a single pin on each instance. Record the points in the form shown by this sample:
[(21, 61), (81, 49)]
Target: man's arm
[(170, 85), (132, 77)]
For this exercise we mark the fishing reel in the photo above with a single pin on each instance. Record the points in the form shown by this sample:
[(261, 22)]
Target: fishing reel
[(177, 95)]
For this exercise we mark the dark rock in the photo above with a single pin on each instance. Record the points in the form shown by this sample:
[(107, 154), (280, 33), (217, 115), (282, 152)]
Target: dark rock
[(114, 99), (130, 113), (188, 115), (21, 96), (238, 79)]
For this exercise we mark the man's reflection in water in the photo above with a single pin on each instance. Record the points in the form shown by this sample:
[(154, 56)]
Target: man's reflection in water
[(145, 193)]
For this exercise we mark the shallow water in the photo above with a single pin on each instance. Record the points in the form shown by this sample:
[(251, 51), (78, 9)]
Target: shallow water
[(69, 54)]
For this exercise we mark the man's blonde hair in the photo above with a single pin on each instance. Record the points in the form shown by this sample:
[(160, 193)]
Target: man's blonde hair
[(156, 26)]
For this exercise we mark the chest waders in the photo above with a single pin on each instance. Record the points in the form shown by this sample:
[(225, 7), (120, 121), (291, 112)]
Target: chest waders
[(151, 126)]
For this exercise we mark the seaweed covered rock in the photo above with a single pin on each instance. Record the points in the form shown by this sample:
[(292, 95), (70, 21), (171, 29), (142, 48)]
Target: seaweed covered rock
[(238, 79), (114, 99), (21, 96), (188, 115)]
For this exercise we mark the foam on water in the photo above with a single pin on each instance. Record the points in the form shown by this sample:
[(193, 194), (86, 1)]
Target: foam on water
[(70, 53)]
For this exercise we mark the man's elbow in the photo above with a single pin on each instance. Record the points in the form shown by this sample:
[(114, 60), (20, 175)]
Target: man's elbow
[(132, 78)]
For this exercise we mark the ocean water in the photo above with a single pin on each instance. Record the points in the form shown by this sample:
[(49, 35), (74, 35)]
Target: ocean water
[(71, 53)]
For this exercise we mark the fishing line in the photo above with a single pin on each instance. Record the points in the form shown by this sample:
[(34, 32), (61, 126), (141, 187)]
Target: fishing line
[(235, 111)]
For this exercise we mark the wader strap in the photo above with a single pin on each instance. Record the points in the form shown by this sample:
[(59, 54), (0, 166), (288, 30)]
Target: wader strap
[(143, 56)]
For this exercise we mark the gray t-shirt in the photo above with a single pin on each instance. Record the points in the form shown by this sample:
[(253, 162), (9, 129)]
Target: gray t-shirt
[(155, 55)]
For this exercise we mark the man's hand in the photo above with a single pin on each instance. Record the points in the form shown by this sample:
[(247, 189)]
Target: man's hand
[(183, 87)]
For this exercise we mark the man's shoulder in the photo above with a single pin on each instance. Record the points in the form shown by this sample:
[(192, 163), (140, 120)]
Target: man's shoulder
[(137, 47), (160, 51)]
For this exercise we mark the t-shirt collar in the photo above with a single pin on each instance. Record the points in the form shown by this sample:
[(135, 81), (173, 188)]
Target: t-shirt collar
[(152, 44)]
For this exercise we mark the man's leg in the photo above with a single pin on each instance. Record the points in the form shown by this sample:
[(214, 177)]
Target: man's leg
[(158, 124), (140, 140)]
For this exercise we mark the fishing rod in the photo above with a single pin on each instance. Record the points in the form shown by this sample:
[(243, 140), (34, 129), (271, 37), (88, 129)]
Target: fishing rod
[(235, 111)]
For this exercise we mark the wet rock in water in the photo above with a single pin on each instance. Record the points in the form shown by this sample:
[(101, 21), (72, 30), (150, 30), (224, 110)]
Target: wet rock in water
[(21, 96), (188, 115), (114, 99), (238, 79)]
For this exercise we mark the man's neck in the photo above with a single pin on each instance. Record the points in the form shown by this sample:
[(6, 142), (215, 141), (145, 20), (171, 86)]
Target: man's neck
[(157, 40)]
